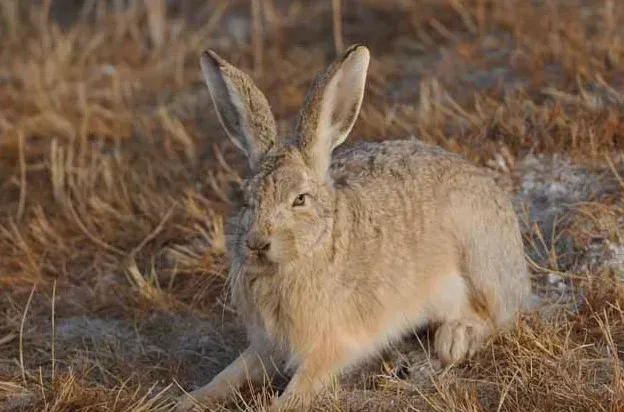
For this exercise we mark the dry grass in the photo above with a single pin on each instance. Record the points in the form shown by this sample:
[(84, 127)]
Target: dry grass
[(115, 179)]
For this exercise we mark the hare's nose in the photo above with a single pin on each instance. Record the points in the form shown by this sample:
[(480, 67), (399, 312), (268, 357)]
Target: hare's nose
[(257, 242)]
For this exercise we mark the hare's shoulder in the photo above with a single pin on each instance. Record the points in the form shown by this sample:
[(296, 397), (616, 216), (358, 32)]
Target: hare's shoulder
[(391, 159)]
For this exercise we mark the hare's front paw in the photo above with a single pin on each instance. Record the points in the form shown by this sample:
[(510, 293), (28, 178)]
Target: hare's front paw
[(185, 404), (284, 404), (458, 339), (289, 401), (194, 402)]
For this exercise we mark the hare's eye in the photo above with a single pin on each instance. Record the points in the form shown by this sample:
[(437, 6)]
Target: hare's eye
[(300, 200)]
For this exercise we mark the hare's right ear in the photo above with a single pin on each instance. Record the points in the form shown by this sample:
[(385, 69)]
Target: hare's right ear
[(243, 110), (332, 106)]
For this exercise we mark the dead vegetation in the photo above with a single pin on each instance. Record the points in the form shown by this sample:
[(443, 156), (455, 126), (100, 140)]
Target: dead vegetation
[(115, 179)]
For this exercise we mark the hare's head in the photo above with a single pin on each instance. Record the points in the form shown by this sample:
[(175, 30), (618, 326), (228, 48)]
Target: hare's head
[(289, 199)]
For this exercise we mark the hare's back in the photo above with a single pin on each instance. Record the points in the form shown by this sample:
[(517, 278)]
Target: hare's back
[(395, 161)]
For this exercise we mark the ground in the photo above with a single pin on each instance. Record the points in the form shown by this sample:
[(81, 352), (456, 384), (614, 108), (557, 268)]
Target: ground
[(115, 179)]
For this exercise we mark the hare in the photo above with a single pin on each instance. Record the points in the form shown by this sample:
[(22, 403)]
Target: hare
[(335, 255)]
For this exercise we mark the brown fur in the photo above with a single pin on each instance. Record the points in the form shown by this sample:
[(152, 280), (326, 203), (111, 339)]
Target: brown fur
[(394, 235)]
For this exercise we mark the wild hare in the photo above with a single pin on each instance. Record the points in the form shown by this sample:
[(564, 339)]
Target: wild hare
[(333, 257)]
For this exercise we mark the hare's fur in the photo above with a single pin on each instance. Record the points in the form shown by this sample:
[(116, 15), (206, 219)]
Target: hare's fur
[(391, 236)]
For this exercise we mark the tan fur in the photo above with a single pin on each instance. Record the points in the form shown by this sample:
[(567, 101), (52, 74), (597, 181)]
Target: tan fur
[(394, 235)]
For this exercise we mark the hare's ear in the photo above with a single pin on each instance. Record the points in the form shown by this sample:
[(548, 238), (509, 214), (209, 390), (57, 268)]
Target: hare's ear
[(243, 110), (332, 106)]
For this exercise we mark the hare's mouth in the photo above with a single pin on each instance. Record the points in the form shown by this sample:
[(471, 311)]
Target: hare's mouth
[(258, 264)]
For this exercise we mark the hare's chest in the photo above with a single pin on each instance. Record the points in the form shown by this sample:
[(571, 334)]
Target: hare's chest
[(262, 305)]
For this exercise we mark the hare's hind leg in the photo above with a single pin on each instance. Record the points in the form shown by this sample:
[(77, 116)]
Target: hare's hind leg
[(493, 281), (251, 366), (464, 324)]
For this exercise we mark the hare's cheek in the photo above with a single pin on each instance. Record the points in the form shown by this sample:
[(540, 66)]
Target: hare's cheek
[(283, 245)]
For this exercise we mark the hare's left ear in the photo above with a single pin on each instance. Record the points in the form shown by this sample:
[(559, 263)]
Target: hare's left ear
[(242, 108), (332, 106)]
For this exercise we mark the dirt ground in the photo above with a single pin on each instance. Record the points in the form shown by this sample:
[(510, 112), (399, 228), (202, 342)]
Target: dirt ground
[(115, 180)]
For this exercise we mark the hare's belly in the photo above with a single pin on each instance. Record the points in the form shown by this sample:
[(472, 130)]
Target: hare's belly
[(403, 312)]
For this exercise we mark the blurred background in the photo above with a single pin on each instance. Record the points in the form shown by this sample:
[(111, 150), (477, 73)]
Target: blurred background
[(116, 179)]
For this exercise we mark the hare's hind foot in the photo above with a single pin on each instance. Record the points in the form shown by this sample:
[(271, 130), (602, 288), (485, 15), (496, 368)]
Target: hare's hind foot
[(456, 340)]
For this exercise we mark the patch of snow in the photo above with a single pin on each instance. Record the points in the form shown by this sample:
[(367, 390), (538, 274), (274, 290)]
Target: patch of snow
[(615, 258), (549, 186)]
